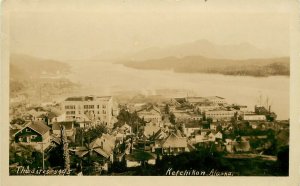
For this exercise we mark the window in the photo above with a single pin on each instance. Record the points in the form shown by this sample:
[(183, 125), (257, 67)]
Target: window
[(104, 111), (104, 106), (28, 130), (70, 112), (33, 136), (20, 139), (70, 107), (98, 106)]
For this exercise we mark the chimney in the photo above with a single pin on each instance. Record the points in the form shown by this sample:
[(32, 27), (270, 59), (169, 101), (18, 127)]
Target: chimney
[(269, 109)]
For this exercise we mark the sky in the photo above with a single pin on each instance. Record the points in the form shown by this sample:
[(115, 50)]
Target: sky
[(78, 29)]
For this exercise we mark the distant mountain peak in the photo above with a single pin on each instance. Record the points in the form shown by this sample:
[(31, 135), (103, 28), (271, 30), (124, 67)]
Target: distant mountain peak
[(205, 48)]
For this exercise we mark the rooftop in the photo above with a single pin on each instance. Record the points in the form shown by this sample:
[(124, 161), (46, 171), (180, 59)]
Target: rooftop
[(89, 98), (180, 100), (192, 125), (150, 130), (38, 126), (197, 99), (151, 110), (68, 125), (174, 141), (215, 97)]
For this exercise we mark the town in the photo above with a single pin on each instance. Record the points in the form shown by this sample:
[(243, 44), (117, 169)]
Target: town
[(96, 135)]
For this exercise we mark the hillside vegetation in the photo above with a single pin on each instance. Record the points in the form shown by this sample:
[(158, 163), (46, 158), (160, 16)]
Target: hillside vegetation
[(23, 67), (200, 64)]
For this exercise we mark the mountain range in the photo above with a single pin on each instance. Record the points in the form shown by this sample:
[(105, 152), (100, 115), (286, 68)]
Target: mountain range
[(203, 56), (207, 49)]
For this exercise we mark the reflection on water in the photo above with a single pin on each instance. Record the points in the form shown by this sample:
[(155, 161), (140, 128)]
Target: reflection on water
[(107, 78)]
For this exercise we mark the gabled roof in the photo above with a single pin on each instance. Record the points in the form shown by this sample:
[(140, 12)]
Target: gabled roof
[(12, 132), (38, 126), (56, 139), (150, 130), (160, 134), (68, 125), (180, 100), (81, 151), (152, 109), (102, 152), (174, 141), (103, 145)]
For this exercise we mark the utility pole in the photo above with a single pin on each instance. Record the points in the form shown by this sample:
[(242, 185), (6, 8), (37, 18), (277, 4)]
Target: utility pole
[(82, 137), (43, 155)]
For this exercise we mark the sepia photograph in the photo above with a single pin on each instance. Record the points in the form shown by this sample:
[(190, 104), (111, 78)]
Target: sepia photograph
[(148, 88)]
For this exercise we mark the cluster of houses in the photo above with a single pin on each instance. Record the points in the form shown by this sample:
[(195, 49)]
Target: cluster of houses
[(197, 122)]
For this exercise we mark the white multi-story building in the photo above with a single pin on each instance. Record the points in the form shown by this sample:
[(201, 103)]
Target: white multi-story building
[(207, 107), (220, 114), (254, 117), (97, 109), (216, 99)]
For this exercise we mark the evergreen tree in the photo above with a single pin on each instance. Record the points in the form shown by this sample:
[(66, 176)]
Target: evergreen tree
[(65, 149)]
